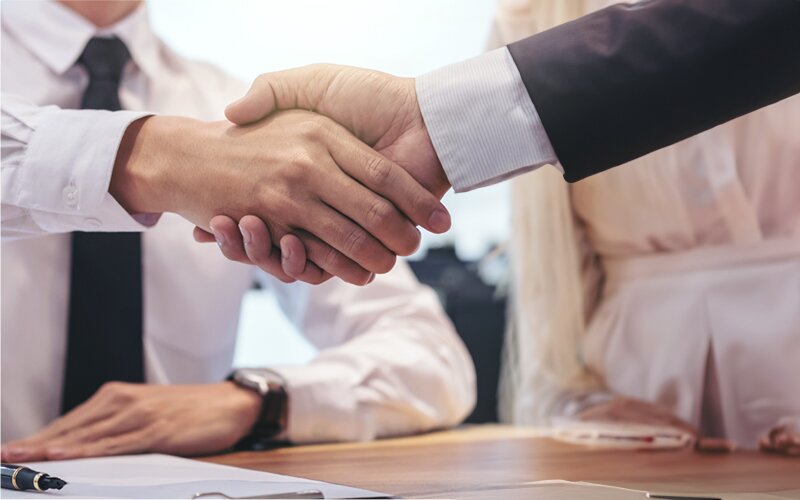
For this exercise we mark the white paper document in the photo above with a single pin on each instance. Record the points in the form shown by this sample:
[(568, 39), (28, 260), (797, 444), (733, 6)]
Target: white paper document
[(164, 476)]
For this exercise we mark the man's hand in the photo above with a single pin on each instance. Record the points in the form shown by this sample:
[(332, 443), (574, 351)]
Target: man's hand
[(379, 108), (137, 418), (298, 172)]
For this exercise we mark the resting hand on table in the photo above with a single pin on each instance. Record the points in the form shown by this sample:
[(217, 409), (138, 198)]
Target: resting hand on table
[(625, 409), (630, 410), (783, 438), (380, 109), (138, 418)]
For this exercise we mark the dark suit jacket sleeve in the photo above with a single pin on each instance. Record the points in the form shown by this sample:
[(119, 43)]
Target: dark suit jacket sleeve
[(630, 79)]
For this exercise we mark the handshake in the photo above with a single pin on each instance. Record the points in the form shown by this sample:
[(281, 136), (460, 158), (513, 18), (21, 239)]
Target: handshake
[(322, 171)]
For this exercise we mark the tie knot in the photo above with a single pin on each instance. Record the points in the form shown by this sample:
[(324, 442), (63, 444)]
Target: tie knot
[(105, 58)]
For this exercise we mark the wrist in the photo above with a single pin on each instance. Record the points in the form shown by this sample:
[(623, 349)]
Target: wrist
[(246, 404), (148, 171), (271, 421)]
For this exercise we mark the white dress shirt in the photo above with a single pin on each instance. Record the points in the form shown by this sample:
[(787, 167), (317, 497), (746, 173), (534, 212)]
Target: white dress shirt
[(694, 296), (390, 361)]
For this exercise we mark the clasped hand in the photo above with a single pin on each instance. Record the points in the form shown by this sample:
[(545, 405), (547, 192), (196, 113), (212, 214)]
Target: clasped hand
[(382, 111), (303, 186)]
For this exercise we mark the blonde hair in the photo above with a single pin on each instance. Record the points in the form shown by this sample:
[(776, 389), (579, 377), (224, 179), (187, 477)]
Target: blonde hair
[(549, 290)]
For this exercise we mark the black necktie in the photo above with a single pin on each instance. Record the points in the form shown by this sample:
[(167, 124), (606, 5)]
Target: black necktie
[(105, 307)]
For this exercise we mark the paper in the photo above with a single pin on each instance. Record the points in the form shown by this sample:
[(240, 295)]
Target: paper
[(164, 476)]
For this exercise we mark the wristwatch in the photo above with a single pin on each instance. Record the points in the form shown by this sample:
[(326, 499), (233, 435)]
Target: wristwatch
[(271, 421)]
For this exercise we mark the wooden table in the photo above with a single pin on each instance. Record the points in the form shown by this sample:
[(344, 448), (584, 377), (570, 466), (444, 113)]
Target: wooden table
[(497, 461)]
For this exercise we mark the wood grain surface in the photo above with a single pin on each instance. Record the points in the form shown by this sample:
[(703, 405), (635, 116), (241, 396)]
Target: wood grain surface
[(500, 460)]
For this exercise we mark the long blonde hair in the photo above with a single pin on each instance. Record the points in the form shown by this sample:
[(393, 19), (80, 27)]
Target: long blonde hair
[(549, 291)]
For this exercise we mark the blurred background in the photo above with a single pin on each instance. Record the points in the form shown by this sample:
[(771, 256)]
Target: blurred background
[(403, 37)]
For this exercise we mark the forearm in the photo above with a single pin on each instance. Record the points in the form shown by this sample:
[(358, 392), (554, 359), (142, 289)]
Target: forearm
[(397, 366), (53, 182), (633, 78), (391, 384)]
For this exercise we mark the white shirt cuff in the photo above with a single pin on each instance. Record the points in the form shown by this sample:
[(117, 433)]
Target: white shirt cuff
[(482, 122), (67, 169), (322, 404)]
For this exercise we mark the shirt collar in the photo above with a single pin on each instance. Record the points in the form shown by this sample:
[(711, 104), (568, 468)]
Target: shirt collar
[(57, 35)]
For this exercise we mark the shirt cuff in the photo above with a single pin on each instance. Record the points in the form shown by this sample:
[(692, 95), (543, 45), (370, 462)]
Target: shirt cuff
[(67, 171), (482, 122), (322, 406)]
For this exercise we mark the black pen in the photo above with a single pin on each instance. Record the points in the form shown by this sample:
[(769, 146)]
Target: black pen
[(17, 477), (680, 497)]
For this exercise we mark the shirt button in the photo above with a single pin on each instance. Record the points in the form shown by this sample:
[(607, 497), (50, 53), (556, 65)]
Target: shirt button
[(91, 223), (70, 195)]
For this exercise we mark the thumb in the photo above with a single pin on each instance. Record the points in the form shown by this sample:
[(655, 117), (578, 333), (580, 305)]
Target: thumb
[(258, 102), (301, 88)]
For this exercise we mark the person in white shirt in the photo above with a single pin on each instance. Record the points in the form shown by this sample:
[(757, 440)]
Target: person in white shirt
[(390, 361), (684, 311)]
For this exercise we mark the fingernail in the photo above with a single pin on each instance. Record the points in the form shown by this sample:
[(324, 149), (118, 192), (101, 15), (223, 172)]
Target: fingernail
[(247, 236), (439, 221), (218, 236), (371, 278)]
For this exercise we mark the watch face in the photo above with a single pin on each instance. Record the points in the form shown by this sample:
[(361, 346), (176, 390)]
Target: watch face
[(253, 379)]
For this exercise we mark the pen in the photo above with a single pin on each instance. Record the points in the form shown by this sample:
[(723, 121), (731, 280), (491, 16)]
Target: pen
[(680, 497), (17, 477)]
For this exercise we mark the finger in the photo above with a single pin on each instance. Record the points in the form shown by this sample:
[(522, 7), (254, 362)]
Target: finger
[(120, 423), (390, 180), (293, 255), (377, 215), (333, 261), (138, 441), (22, 451), (350, 240), (295, 263), (229, 238), (258, 247), (202, 236), (96, 408), (258, 102), (294, 88)]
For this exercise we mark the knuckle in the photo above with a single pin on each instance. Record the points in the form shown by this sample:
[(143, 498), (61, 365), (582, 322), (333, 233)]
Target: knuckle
[(300, 162), (143, 413), (378, 170), (263, 80), (113, 389), (379, 212), (311, 129), (355, 242), (333, 259)]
